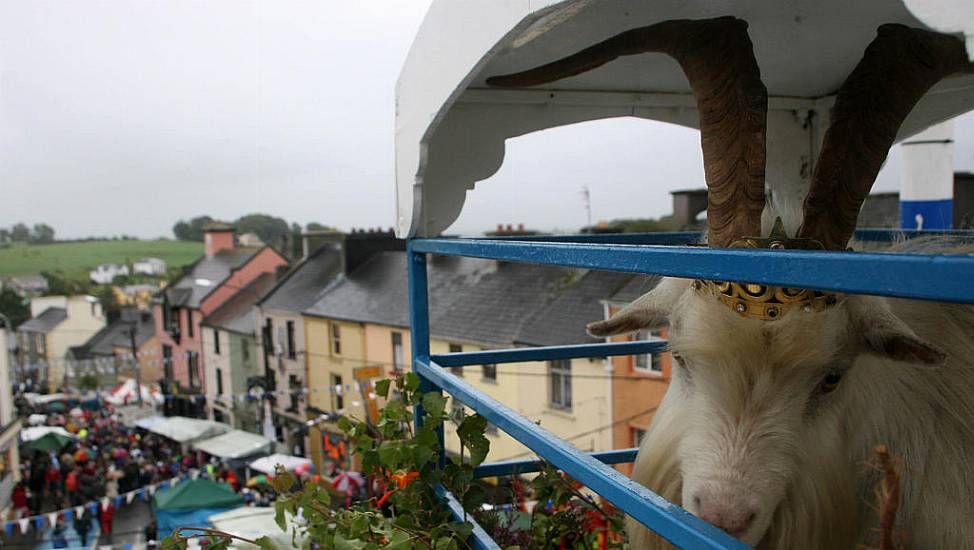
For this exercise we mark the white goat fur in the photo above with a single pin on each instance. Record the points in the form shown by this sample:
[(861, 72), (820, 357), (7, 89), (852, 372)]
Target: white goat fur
[(744, 414)]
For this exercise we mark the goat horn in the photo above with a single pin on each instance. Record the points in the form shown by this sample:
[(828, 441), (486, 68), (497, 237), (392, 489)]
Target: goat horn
[(718, 59), (897, 68)]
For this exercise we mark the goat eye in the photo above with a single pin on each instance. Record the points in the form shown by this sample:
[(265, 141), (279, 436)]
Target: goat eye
[(830, 382)]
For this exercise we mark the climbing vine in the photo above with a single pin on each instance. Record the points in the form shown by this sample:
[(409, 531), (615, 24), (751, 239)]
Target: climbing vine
[(404, 511)]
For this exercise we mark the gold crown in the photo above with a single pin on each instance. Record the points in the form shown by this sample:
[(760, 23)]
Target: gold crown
[(769, 302)]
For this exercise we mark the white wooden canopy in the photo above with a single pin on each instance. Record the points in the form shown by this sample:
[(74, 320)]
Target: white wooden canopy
[(451, 128)]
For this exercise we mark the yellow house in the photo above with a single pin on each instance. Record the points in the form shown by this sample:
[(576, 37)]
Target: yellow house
[(358, 333)]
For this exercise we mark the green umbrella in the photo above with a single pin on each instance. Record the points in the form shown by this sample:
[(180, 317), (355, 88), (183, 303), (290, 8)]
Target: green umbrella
[(51, 441)]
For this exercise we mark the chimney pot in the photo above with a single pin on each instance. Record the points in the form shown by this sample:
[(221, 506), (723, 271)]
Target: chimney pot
[(520, 227), (510, 228)]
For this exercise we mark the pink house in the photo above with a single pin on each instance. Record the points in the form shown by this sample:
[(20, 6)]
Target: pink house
[(223, 271)]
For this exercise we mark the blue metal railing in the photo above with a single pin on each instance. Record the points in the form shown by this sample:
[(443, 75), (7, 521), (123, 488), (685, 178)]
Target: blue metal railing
[(922, 276)]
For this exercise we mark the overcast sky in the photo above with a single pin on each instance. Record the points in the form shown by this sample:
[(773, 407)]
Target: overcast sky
[(122, 117)]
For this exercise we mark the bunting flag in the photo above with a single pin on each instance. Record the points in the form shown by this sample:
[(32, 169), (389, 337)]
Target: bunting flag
[(79, 511), (104, 503), (39, 522), (164, 485), (94, 508), (118, 501), (52, 517), (129, 497), (24, 525), (194, 474), (152, 490), (9, 528), (68, 515)]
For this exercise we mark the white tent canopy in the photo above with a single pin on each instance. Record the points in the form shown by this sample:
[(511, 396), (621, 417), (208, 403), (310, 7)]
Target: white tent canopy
[(451, 127), (148, 422), (253, 523), (268, 464), (235, 444), (37, 432), (187, 430)]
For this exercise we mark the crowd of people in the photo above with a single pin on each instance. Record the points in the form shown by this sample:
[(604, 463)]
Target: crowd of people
[(106, 458)]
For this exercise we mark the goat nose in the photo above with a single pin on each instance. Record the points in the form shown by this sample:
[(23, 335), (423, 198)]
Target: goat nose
[(727, 514)]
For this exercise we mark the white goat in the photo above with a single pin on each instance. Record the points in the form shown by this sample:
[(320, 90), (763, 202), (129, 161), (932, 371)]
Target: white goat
[(767, 427), (779, 394)]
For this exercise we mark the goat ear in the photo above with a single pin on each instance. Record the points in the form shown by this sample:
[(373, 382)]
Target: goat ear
[(650, 310), (886, 335)]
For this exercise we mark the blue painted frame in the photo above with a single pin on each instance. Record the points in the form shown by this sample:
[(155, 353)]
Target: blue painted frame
[(899, 275)]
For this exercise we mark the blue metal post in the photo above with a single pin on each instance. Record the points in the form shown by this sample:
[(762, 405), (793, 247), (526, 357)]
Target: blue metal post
[(419, 322)]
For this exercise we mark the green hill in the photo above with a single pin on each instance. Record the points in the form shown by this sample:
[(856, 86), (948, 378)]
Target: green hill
[(75, 259)]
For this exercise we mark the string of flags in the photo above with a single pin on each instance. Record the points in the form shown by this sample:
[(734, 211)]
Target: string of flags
[(41, 521)]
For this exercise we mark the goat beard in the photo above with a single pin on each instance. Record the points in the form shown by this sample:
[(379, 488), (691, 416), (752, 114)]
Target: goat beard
[(821, 507)]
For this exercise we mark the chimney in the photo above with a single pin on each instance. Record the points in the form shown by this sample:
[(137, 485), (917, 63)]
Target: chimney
[(216, 238)]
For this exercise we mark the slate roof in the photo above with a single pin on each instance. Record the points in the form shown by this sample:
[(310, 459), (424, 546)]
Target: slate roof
[(188, 292), (304, 284), (563, 320), (237, 314), (116, 334), (46, 321), (477, 301), (636, 287)]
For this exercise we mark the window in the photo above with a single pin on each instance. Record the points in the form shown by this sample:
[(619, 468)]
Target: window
[(337, 393), (245, 349), (193, 362), (648, 362), (398, 361), (336, 338), (189, 322), (219, 381), (489, 372), (456, 348), (295, 386), (216, 341), (268, 336), (560, 379), (167, 362), (290, 340), (637, 436)]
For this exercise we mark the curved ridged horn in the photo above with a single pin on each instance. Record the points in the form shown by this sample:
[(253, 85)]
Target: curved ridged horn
[(897, 68), (718, 59)]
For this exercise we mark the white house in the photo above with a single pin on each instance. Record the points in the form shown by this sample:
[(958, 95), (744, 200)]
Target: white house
[(104, 274), (149, 266)]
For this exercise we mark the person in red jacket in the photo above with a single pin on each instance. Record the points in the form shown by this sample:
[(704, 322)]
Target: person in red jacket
[(105, 516), (72, 484), (20, 499)]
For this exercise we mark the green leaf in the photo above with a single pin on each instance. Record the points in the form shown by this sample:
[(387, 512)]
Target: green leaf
[(222, 544), (279, 507), (471, 433), (434, 403), (399, 540), (173, 543), (473, 498), (382, 387), (341, 543), (283, 481), (389, 453), (345, 424), (412, 381)]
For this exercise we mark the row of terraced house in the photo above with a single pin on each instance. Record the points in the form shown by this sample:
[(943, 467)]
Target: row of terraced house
[(243, 323)]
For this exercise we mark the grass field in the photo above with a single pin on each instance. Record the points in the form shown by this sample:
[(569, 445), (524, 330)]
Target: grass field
[(75, 259)]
